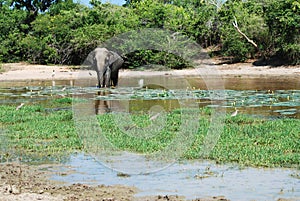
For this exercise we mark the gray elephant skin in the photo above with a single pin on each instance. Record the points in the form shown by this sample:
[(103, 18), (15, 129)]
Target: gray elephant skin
[(107, 64)]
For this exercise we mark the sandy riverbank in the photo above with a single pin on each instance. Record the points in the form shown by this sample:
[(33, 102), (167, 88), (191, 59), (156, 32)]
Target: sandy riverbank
[(23, 71)]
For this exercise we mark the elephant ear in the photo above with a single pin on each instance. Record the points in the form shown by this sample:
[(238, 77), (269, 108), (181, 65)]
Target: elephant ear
[(90, 60), (112, 57)]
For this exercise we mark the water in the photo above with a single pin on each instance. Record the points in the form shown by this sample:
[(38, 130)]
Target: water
[(192, 179), (266, 98)]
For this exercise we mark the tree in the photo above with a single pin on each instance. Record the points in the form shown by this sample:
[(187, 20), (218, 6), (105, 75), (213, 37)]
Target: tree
[(33, 7), (51, 38), (283, 20), (130, 2), (11, 32), (243, 29)]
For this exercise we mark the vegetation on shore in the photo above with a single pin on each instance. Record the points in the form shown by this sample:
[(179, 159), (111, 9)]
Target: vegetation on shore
[(36, 133), (64, 32)]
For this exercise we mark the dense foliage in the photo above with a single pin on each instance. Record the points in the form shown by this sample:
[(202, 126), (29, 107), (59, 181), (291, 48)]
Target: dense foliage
[(64, 32)]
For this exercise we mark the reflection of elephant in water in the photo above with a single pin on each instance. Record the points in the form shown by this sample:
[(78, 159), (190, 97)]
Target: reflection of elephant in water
[(107, 64)]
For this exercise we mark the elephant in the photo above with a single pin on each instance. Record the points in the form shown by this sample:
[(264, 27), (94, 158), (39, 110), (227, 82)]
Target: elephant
[(107, 64)]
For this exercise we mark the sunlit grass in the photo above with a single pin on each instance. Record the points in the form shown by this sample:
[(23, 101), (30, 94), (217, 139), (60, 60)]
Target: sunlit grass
[(37, 132)]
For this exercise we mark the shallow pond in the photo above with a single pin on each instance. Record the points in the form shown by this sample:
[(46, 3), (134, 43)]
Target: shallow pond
[(192, 179), (260, 97)]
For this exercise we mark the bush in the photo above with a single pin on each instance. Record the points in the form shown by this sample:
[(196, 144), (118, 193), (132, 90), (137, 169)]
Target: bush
[(12, 30), (152, 58), (283, 20), (237, 49), (66, 32)]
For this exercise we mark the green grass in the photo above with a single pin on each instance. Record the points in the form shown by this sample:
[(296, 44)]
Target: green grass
[(257, 142), (35, 132)]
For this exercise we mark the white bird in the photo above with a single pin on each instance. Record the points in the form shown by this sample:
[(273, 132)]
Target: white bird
[(234, 113), (154, 117), (19, 107), (141, 83)]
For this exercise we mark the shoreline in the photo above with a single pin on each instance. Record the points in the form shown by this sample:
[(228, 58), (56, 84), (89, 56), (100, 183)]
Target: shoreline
[(25, 72)]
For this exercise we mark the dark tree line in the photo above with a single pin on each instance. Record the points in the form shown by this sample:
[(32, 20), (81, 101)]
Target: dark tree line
[(64, 32)]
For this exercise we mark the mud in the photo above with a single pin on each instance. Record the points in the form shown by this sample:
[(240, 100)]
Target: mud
[(24, 182)]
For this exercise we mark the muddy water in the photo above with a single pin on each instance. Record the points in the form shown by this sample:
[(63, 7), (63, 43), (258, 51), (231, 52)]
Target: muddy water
[(192, 179)]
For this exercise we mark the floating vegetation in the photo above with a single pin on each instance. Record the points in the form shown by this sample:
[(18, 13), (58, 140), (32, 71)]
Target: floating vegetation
[(235, 98), (287, 111)]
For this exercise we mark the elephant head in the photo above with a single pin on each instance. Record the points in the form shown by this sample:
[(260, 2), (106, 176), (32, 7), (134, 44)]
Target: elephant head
[(107, 64)]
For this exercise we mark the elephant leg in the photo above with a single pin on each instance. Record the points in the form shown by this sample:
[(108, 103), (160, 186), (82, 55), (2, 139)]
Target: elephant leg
[(100, 79), (115, 70), (107, 77), (115, 77)]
